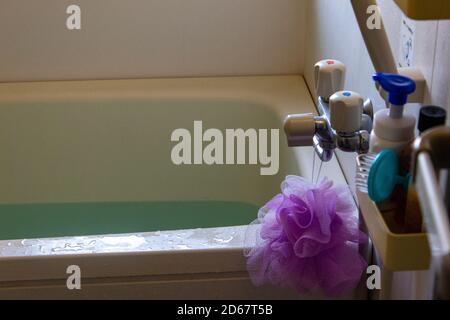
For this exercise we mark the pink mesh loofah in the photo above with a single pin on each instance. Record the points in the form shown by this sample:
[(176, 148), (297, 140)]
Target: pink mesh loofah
[(308, 239)]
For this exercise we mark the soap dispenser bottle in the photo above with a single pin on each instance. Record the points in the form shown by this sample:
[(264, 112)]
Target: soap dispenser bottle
[(392, 128), (396, 131)]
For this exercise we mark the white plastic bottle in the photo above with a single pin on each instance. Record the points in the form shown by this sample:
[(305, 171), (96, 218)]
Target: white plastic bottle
[(392, 133), (392, 128)]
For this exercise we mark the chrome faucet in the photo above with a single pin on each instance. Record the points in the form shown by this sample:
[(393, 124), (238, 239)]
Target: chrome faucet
[(345, 119)]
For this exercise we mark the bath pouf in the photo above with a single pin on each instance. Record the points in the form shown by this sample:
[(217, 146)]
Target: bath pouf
[(307, 238)]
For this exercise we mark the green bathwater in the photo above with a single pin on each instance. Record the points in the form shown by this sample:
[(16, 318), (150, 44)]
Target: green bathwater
[(25, 221)]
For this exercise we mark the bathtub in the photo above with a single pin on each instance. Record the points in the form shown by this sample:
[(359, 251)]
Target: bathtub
[(87, 180)]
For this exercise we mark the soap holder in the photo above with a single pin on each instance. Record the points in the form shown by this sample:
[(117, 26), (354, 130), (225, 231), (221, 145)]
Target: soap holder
[(398, 252)]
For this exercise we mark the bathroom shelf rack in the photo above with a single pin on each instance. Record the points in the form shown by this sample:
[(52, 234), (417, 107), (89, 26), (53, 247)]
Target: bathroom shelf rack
[(425, 10), (431, 172), (398, 252)]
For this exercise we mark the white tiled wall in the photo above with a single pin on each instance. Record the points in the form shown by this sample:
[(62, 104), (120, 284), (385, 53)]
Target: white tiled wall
[(332, 32), (441, 77), (150, 38)]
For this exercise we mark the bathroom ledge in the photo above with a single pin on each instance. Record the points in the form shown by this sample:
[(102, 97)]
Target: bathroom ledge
[(274, 90), (176, 240), (155, 253)]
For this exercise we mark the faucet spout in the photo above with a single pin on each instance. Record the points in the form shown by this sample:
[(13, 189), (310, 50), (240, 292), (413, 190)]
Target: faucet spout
[(300, 129), (324, 153)]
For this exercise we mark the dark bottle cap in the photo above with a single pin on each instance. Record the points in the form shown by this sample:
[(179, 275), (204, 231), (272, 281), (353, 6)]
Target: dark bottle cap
[(430, 117)]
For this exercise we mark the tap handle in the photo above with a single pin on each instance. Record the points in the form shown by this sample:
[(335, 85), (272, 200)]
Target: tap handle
[(346, 110), (329, 77)]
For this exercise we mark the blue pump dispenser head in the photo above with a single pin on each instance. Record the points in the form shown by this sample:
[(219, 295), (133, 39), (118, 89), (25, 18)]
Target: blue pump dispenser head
[(398, 87)]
